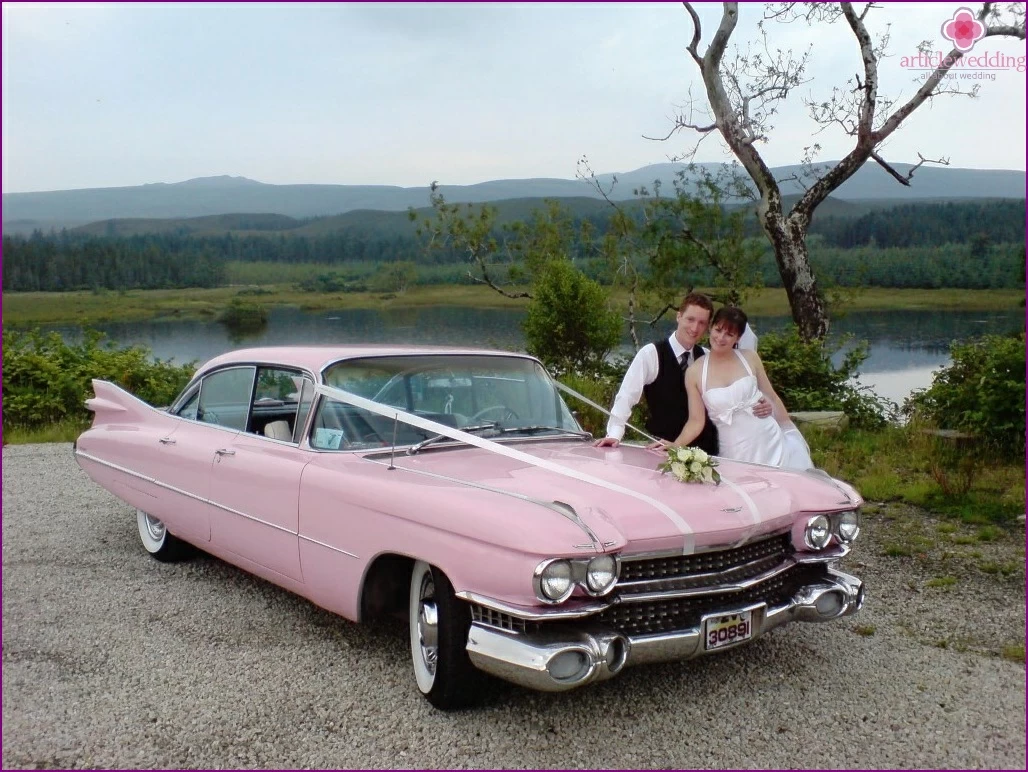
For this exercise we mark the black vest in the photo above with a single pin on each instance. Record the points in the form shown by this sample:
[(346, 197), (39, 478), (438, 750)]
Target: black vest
[(668, 402)]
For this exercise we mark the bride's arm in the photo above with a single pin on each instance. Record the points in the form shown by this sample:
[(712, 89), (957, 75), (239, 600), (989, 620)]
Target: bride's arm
[(697, 413), (764, 384)]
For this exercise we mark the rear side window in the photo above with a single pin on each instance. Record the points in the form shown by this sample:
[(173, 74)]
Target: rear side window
[(278, 403)]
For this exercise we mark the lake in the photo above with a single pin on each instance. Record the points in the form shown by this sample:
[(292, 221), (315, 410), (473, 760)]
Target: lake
[(906, 347)]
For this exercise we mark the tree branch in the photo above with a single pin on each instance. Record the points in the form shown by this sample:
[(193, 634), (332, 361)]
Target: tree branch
[(487, 280), (905, 179), (693, 47)]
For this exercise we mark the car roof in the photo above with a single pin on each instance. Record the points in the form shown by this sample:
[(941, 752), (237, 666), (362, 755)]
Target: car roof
[(315, 358)]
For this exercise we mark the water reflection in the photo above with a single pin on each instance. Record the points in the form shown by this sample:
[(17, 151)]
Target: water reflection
[(905, 346)]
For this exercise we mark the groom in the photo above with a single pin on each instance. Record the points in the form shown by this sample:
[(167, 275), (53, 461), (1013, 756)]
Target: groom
[(657, 372)]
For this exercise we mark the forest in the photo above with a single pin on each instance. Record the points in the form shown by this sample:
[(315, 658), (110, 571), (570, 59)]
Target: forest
[(963, 244)]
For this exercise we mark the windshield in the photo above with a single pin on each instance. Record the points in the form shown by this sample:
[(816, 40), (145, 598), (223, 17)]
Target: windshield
[(455, 390)]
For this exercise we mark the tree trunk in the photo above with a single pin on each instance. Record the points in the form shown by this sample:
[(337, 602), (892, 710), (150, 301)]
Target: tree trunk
[(809, 310)]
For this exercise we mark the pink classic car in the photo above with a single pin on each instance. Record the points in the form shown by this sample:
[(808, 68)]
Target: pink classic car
[(456, 487)]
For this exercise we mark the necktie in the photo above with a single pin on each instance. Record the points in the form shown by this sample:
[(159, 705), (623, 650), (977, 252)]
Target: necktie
[(684, 361)]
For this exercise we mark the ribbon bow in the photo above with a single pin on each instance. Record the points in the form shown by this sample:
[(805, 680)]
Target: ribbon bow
[(726, 416)]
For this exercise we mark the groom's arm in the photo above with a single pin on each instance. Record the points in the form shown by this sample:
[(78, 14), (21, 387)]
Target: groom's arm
[(640, 373)]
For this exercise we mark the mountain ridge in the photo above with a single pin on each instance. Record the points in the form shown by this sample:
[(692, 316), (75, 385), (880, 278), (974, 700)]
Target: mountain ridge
[(228, 194)]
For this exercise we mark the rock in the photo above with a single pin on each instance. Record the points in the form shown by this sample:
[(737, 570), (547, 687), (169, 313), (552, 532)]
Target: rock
[(830, 420)]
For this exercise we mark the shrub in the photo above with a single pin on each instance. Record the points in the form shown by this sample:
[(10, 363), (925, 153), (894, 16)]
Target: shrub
[(394, 277), (244, 315), (47, 380), (981, 392), (568, 324), (601, 386), (806, 379)]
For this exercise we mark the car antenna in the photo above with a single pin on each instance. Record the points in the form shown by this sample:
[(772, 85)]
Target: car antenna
[(392, 453)]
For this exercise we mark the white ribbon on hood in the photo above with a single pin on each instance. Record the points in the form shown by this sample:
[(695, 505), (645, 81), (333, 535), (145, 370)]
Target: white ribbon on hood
[(394, 413)]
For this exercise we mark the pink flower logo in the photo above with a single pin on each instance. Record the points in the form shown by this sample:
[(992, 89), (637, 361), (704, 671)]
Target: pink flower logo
[(963, 29)]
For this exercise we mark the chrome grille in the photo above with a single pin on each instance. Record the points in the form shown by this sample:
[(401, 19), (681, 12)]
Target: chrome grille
[(766, 552), (668, 615), (498, 619)]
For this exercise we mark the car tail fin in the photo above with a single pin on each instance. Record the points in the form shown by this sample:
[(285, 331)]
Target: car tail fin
[(112, 403)]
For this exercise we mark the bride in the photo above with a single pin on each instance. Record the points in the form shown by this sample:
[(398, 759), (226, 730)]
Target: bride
[(728, 382)]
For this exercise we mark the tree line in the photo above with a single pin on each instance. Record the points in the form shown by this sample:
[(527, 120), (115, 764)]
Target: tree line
[(962, 245)]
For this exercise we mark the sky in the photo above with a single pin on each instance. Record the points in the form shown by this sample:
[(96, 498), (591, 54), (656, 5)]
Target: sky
[(104, 95)]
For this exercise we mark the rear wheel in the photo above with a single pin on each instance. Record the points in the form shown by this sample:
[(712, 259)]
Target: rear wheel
[(439, 625), (156, 539)]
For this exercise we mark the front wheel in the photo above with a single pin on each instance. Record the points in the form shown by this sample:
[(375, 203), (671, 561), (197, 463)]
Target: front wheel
[(439, 625), (156, 539)]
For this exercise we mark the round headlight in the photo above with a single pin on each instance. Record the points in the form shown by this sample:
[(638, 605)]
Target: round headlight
[(818, 532), (848, 526), (555, 581), (601, 574)]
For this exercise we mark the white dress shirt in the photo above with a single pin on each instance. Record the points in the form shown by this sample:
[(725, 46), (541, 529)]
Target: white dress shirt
[(642, 372)]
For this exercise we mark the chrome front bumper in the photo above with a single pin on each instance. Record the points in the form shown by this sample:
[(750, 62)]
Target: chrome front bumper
[(568, 657)]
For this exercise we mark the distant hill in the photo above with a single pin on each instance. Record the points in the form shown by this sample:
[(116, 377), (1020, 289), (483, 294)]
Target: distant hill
[(209, 196), (373, 220)]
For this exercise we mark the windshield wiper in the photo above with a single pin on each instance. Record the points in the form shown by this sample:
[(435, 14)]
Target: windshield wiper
[(437, 437), (540, 429)]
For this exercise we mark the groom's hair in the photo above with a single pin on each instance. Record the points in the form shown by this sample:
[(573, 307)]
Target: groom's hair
[(731, 318), (696, 299)]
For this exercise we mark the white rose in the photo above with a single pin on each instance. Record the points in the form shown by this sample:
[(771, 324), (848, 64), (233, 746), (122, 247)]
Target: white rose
[(700, 455), (678, 470), (695, 467), (708, 475)]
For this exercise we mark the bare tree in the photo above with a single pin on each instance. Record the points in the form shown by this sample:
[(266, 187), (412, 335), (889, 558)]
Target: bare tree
[(744, 92)]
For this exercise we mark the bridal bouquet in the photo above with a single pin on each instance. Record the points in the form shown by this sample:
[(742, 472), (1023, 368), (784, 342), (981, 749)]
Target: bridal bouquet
[(690, 465)]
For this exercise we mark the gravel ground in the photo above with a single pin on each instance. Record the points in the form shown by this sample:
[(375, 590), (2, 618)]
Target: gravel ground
[(111, 659)]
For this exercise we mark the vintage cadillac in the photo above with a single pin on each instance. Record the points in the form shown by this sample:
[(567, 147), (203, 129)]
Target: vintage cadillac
[(456, 487)]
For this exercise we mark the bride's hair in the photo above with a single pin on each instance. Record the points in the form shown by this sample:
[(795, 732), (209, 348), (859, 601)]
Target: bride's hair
[(731, 318)]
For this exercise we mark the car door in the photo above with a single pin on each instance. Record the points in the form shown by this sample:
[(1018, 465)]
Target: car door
[(255, 482), (209, 418)]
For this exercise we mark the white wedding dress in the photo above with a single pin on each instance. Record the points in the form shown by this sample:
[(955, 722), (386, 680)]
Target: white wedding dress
[(744, 437)]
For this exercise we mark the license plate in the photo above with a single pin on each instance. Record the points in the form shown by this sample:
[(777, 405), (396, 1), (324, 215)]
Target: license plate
[(728, 630)]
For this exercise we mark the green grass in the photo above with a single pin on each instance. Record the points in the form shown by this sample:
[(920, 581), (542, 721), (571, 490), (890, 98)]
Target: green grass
[(57, 432), (941, 582), (988, 533), (896, 550), (895, 464), (83, 307), (1013, 652), (865, 630), (1002, 569)]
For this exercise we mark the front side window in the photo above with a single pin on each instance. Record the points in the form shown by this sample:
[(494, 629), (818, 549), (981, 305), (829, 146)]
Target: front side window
[(224, 397), (188, 410), (456, 390)]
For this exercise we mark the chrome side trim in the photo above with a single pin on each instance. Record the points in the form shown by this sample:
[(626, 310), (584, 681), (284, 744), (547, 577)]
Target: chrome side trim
[(328, 546), (139, 476), (202, 500), (251, 517), (187, 494)]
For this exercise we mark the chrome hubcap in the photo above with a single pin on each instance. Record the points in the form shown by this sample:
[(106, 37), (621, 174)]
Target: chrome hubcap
[(154, 527), (428, 625)]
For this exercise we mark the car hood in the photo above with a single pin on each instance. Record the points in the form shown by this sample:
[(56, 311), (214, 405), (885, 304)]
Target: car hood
[(647, 509)]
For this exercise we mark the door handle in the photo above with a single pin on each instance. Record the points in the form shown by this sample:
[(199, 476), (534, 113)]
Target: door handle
[(225, 452), (166, 441)]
